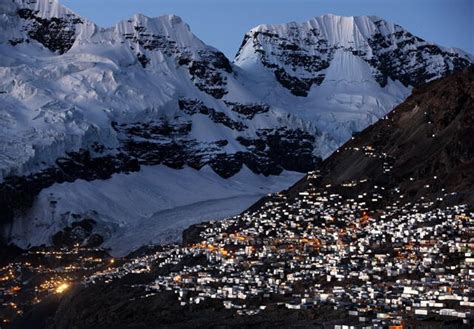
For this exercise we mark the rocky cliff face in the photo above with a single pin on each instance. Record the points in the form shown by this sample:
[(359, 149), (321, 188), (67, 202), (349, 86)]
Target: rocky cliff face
[(47, 23)]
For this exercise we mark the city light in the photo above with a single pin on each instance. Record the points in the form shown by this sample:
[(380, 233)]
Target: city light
[(62, 288)]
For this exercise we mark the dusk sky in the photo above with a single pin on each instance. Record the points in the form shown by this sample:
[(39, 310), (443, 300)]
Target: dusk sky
[(223, 23)]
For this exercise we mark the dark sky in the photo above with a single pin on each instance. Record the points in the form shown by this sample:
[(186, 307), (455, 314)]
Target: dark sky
[(223, 23)]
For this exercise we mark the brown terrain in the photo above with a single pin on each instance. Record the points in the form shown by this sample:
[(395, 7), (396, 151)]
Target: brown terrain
[(427, 140)]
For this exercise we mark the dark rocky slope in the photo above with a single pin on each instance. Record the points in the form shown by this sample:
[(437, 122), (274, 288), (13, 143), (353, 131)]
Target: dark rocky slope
[(424, 145)]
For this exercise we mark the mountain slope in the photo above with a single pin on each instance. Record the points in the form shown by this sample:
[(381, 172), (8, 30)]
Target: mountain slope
[(420, 153), (152, 206), (144, 92), (83, 103), (422, 149)]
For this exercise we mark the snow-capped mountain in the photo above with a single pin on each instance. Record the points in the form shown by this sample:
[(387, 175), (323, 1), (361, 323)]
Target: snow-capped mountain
[(82, 103), (333, 48), (347, 72)]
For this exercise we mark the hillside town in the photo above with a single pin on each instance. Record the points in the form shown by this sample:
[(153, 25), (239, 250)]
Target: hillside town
[(390, 267), (376, 257)]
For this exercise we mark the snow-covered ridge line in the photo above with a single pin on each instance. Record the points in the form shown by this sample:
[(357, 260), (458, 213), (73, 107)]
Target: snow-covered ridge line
[(299, 54), (345, 31)]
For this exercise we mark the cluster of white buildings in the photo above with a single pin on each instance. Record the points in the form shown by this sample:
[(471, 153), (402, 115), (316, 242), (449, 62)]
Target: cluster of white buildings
[(402, 262)]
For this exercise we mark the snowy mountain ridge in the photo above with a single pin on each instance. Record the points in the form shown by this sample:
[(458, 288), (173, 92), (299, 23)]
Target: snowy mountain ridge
[(80, 103), (390, 51)]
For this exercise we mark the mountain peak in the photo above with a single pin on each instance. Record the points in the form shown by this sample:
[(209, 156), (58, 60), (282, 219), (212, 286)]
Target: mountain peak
[(342, 31), (170, 19), (165, 25), (47, 9), (46, 22), (299, 54)]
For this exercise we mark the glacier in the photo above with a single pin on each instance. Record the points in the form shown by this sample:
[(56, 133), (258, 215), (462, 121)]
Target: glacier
[(152, 206)]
